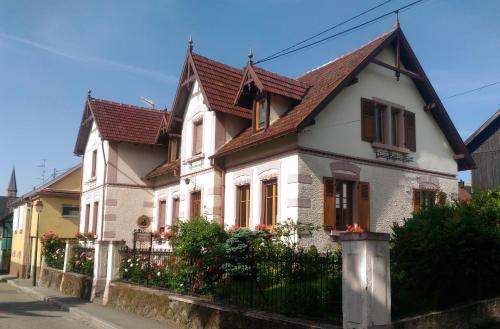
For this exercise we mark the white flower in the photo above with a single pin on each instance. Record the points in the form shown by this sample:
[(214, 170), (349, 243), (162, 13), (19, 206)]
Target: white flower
[(126, 270), (131, 265), (159, 273), (129, 260)]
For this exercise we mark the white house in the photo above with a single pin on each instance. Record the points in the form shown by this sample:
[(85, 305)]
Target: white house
[(361, 140)]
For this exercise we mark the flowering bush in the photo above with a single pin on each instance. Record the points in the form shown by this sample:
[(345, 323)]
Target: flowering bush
[(354, 229), (83, 261), (53, 249), (79, 236), (89, 235)]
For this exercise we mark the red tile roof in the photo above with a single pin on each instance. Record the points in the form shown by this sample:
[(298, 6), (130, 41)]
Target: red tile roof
[(281, 85), (220, 83), (164, 168), (323, 81), (126, 123)]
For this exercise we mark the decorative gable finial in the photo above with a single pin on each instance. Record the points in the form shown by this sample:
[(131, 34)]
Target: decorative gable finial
[(250, 56), (89, 93), (190, 44), (396, 23)]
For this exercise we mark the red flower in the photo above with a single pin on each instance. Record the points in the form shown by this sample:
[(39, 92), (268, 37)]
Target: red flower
[(199, 275), (196, 285), (261, 227), (233, 228), (198, 261), (210, 269), (355, 229)]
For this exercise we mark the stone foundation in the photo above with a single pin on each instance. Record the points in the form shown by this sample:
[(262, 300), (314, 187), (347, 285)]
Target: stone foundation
[(194, 313), (71, 284), (469, 316)]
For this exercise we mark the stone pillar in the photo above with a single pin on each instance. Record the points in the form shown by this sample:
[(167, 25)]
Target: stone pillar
[(68, 254), (100, 268), (366, 284), (113, 266)]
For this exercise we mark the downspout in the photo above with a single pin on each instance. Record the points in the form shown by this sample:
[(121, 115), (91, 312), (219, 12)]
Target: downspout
[(104, 188), (223, 187)]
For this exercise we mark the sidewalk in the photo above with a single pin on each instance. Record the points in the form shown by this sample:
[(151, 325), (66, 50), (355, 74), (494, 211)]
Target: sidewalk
[(95, 316)]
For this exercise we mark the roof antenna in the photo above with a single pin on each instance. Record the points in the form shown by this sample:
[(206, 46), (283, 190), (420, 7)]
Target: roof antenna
[(89, 93), (148, 101), (250, 56), (190, 44), (396, 23)]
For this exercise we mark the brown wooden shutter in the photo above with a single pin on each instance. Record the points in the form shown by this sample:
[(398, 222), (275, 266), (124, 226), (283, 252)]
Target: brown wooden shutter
[(416, 201), (367, 120), (364, 205), (94, 218), (410, 131), (162, 215), (441, 198), (328, 204), (175, 212)]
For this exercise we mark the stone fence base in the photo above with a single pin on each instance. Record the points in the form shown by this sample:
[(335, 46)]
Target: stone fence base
[(462, 317), (193, 313), (71, 284)]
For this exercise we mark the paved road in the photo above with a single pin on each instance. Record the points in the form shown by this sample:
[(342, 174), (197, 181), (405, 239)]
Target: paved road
[(18, 311)]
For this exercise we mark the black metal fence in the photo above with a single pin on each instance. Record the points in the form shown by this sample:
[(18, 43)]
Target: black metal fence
[(82, 260), (294, 284)]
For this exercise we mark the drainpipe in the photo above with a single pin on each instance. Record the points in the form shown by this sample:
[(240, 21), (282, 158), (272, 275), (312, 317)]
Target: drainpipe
[(104, 188), (223, 187)]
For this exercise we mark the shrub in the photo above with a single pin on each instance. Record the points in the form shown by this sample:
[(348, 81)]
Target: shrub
[(199, 244), (83, 262), (53, 249), (447, 255)]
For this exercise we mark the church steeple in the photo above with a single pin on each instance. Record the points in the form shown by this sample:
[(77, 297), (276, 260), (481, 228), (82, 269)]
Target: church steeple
[(12, 189)]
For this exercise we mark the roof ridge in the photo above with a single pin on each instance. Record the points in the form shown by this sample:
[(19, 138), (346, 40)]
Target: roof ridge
[(344, 55), (218, 62), (128, 105)]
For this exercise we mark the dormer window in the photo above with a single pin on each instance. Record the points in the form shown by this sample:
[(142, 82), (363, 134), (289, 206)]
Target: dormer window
[(260, 114)]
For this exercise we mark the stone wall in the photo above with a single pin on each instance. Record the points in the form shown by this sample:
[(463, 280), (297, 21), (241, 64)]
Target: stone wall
[(485, 313), (194, 313), (71, 284)]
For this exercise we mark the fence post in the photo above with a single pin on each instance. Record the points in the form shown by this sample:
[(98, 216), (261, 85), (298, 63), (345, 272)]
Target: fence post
[(366, 284), (68, 254), (113, 266), (100, 268)]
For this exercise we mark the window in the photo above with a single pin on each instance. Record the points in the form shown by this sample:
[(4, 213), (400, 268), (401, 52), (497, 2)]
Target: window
[(197, 137), (70, 211), (243, 206), (172, 150), (423, 199), (87, 218), (270, 202), (328, 204), (343, 204), (195, 204), (380, 123), (260, 114), (396, 128), (94, 217), (175, 211), (94, 163), (162, 214)]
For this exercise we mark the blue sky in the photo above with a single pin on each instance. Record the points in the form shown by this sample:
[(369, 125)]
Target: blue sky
[(52, 52)]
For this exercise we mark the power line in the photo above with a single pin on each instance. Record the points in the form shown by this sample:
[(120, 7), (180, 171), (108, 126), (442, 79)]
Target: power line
[(340, 33), (328, 29), (472, 90)]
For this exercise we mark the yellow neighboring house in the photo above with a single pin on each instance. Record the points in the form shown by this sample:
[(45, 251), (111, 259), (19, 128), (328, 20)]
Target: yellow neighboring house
[(61, 213)]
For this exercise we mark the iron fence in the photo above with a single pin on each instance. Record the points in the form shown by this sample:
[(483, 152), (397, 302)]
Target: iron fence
[(82, 260), (291, 283)]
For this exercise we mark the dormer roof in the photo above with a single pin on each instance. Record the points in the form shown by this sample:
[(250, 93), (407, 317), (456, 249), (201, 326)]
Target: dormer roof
[(120, 123)]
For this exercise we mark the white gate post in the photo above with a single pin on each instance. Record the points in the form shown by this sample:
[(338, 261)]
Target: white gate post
[(113, 266), (68, 253), (366, 283), (100, 268)]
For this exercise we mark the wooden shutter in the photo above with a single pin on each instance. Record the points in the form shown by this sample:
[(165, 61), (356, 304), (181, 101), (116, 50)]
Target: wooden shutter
[(328, 204), (364, 205), (410, 133), (162, 214), (441, 198), (416, 201), (175, 211), (94, 217), (195, 204), (367, 120), (87, 218)]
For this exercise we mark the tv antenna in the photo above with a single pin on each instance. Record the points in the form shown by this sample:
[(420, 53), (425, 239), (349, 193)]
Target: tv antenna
[(148, 101)]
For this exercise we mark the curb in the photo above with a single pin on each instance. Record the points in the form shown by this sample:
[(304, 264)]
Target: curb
[(74, 312)]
